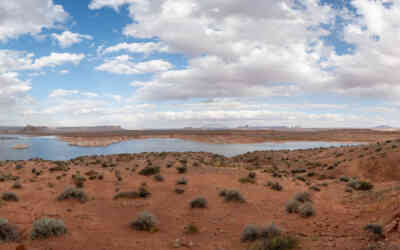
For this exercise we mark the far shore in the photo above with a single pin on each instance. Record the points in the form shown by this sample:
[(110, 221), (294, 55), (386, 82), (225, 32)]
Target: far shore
[(103, 139), (20, 147)]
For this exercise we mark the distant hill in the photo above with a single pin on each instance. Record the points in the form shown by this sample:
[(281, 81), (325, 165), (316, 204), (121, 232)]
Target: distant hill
[(36, 129), (383, 127), (88, 129), (10, 128)]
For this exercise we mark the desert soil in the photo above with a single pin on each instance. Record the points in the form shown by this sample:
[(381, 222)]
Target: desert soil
[(104, 223)]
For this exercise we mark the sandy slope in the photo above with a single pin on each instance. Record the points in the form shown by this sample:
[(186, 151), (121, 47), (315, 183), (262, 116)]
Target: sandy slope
[(103, 223)]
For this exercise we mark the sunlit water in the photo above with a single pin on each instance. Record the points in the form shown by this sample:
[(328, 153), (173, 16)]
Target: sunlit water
[(50, 148)]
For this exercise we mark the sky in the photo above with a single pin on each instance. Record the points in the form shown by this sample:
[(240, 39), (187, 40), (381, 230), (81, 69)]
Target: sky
[(188, 63)]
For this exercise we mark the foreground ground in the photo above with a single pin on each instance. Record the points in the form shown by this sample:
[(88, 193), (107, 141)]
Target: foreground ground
[(341, 213)]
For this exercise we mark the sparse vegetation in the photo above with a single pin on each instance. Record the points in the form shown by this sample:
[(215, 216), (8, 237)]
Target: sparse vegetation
[(306, 210), (191, 229), (181, 169), (199, 202), (280, 242), (303, 197), (275, 186), (8, 232), (302, 204), (73, 193), (145, 222), (293, 206), (179, 190), (150, 170), (247, 180), (159, 178), (232, 195), (48, 227), (251, 233), (16, 185), (9, 196), (375, 229), (360, 185), (267, 238), (126, 195), (181, 181)]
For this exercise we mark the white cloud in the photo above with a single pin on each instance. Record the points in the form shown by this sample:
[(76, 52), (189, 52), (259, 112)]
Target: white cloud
[(11, 60), (67, 38), (57, 59), (228, 54), (63, 92), (124, 66), (115, 4), (145, 48), (18, 17), (64, 72)]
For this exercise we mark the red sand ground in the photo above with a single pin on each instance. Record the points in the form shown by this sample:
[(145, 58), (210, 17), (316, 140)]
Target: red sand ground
[(103, 223)]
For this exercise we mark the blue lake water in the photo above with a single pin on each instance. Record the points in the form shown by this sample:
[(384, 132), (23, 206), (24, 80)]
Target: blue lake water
[(50, 148)]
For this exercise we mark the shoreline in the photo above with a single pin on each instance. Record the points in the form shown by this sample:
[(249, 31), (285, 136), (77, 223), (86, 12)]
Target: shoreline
[(104, 142)]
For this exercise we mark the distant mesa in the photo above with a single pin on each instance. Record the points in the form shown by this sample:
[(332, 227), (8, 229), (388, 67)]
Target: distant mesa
[(20, 147), (383, 127), (36, 129)]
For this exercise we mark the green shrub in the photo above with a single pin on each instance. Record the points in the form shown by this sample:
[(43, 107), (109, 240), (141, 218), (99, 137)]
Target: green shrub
[(374, 228), (247, 180), (181, 169), (73, 193), (293, 206), (250, 233), (159, 178), (150, 170), (276, 186), (344, 179), (281, 242), (315, 188), (79, 180), (191, 229), (145, 222), (252, 175), (199, 203), (232, 195), (181, 181), (306, 210), (270, 231), (16, 185), (48, 227), (9, 196), (144, 192), (303, 197), (126, 195), (179, 190), (8, 232), (360, 185)]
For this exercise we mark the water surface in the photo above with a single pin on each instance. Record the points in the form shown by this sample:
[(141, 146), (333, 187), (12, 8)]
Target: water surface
[(50, 148)]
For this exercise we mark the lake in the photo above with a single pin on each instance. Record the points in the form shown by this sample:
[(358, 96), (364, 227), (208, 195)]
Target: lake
[(50, 148)]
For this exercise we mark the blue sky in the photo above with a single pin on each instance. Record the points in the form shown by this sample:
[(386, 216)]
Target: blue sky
[(168, 64)]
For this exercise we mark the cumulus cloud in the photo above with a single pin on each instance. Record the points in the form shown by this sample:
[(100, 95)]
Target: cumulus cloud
[(124, 66), (63, 92), (57, 59), (11, 60), (239, 49), (228, 54), (145, 48), (115, 4), (18, 17), (67, 38)]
